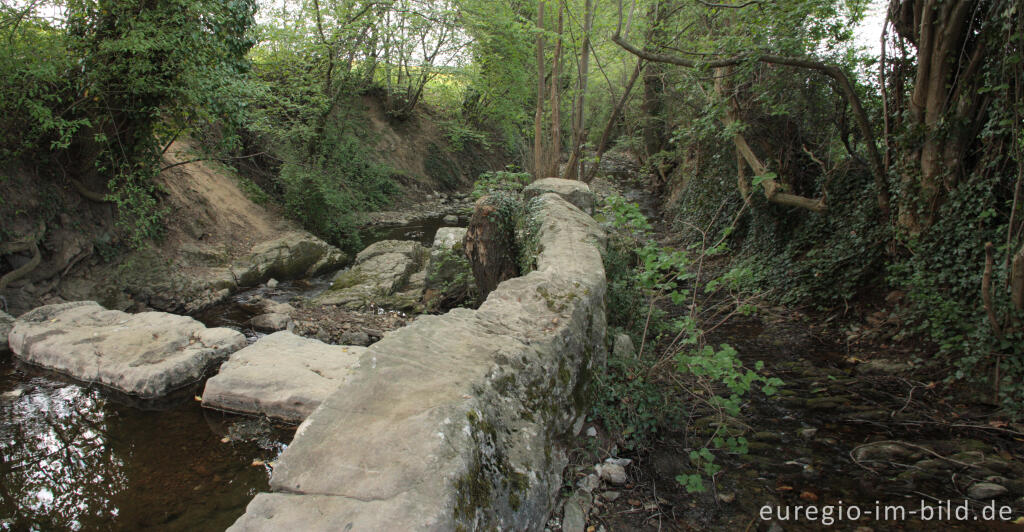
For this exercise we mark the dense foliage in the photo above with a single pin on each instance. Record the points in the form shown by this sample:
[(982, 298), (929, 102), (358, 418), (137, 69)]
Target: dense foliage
[(97, 94)]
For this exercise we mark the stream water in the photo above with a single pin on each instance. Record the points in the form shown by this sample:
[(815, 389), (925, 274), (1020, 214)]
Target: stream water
[(75, 456), (79, 457)]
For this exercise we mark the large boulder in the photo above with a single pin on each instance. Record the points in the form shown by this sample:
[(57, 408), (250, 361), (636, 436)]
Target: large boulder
[(575, 192), (6, 322), (282, 376), (148, 354), (380, 271), (295, 255)]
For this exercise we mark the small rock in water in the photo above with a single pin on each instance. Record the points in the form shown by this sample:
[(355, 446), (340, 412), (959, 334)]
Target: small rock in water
[(986, 490), (807, 433), (272, 283), (880, 451), (613, 473), (592, 432), (450, 219), (272, 322), (610, 495), (359, 338), (13, 394)]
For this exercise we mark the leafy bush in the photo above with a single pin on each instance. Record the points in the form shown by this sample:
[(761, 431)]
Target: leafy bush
[(507, 180), (631, 398), (328, 195)]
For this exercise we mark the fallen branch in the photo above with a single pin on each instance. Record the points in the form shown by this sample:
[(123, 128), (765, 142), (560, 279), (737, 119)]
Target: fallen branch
[(843, 82), (88, 194)]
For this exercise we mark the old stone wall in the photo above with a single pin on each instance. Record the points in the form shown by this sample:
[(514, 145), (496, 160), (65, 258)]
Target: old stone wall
[(455, 422)]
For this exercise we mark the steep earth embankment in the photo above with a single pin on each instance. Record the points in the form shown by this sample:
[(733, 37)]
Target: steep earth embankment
[(216, 239)]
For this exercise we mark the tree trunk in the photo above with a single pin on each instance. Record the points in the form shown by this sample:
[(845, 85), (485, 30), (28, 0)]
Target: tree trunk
[(616, 111), (538, 118), (489, 246), (772, 190), (555, 153), (574, 169), (944, 105)]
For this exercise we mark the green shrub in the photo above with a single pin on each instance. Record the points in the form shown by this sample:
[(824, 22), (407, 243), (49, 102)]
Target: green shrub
[(507, 180)]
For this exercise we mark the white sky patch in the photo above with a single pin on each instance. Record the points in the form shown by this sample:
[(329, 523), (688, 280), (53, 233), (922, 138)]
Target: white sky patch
[(869, 33)]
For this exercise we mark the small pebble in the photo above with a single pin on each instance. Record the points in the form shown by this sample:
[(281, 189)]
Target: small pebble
[(986, 490), (807, 433), (613, 473)]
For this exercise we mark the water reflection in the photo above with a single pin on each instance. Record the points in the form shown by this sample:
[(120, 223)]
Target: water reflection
[(78, 458), (54, 457)]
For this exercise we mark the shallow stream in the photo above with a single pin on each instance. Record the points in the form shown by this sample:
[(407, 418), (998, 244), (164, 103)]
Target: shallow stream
[(75, 456)]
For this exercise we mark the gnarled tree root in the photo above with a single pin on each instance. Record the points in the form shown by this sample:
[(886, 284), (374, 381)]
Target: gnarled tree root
[(25, 244)]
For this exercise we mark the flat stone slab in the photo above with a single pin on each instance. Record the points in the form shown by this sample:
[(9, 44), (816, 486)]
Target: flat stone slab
[(282, 376), (575, 192), (148, 354)]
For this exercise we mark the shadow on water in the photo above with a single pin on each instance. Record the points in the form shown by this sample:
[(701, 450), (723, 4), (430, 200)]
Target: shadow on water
[(76, 457)]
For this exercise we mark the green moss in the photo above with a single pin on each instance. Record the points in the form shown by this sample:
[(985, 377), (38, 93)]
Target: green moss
[(563, 373), (556, 303), (353, 277), (505, 384), (474, 490)]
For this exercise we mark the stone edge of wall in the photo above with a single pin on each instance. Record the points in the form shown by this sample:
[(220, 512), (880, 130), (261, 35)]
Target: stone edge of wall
[(455, 422)]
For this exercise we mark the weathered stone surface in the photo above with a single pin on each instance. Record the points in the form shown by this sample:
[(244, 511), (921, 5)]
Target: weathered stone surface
[(380, 270), (573, 519), (272, 321), (575, 192), (203, 276), (612, 473), (292, 256), (623, 347), (6, 322), (411, 249), (282, 376), (453, 421), (147, 354), (986, 490)]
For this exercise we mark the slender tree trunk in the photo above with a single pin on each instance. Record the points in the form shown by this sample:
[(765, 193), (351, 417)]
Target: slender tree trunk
[(538, 118), (575, 167), (613, 118), (555, 153)]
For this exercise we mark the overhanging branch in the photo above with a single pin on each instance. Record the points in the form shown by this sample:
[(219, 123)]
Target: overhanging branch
[(843, 82)]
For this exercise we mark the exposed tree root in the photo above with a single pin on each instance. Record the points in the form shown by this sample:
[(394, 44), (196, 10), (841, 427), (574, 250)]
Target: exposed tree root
[(27, 243)]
